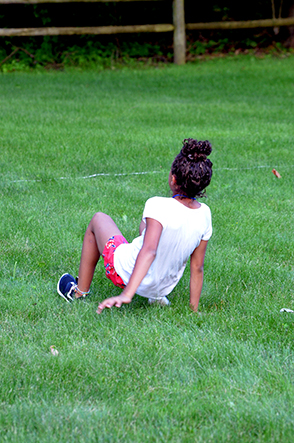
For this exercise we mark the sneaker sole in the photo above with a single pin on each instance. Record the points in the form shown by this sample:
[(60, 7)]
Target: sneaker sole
[(160, 302)]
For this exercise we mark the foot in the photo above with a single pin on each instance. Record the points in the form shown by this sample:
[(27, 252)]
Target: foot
[(164, 301), (66, 287)]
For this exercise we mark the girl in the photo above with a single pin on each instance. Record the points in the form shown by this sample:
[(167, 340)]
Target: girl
[(171, 231)]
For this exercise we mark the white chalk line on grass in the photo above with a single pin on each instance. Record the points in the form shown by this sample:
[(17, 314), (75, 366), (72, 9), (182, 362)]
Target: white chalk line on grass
[(124, 174), (253, 167), (99, 174)]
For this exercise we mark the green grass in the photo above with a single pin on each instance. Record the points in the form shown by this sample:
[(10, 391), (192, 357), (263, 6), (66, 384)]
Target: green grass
[(145, 373)]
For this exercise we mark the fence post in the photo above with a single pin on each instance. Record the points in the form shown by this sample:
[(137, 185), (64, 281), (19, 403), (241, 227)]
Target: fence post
[(179, 32)]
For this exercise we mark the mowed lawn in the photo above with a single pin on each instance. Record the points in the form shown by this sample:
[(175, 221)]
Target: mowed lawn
[(74, 143)]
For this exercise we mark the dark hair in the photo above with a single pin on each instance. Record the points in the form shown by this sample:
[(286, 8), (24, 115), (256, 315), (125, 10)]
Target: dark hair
[(191, 167)]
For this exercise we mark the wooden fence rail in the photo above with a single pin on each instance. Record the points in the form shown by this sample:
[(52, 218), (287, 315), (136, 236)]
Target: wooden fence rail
[(265, 23), (34, 2), (178, 27), (97, 30)]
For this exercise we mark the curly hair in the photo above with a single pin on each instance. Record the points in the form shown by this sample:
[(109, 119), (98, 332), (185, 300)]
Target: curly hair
[(192, 169)]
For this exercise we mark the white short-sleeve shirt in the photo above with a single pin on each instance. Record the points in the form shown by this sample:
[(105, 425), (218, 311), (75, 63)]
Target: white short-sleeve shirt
[(183, 230)]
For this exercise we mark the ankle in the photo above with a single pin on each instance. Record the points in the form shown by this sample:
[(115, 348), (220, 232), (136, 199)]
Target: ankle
[(79, 293)]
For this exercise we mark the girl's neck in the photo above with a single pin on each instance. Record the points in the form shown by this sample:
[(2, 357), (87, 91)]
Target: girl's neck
[(183, 196), (189, 202)]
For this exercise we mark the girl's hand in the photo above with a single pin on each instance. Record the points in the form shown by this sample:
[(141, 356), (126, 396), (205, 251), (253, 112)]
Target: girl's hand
[(114, 301)]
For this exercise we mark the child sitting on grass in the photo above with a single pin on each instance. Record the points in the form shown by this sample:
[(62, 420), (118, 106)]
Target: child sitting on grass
[(172, 230)]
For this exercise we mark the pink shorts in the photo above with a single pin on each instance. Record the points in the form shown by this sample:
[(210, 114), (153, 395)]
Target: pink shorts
[(108, 255)]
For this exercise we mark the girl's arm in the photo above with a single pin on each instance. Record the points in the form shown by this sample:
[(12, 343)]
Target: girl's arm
[(142, 227), (144, 260), (196, 274)]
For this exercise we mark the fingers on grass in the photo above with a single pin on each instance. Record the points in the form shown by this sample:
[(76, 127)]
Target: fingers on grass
[(109, 303)]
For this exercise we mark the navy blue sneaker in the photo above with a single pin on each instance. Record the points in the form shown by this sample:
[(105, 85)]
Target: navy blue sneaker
[(66, 287)]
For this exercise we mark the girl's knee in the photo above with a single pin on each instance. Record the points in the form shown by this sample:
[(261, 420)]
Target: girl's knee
[(99, 218), (103, 227), (99, 215)]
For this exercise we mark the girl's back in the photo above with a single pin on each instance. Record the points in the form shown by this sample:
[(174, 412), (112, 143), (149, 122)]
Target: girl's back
[(183, 229)]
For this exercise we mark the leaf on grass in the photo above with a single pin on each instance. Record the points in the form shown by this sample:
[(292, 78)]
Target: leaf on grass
[(275, 172)]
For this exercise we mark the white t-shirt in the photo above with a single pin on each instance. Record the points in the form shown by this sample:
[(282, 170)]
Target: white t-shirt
[(183, 229)]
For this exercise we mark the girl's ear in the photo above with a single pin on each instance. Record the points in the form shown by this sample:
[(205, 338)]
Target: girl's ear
[(173, 180)]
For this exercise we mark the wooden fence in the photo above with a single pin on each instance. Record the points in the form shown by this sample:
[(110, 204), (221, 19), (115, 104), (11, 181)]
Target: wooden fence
[(178, 27)]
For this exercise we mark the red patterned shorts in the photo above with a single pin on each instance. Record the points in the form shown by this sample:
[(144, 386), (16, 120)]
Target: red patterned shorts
[(108, 256)]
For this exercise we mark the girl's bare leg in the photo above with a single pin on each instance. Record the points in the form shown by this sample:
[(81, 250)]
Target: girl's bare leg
[(100, 229)]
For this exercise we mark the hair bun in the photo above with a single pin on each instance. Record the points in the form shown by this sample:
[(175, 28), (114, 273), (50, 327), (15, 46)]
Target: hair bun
[(196, 150)]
